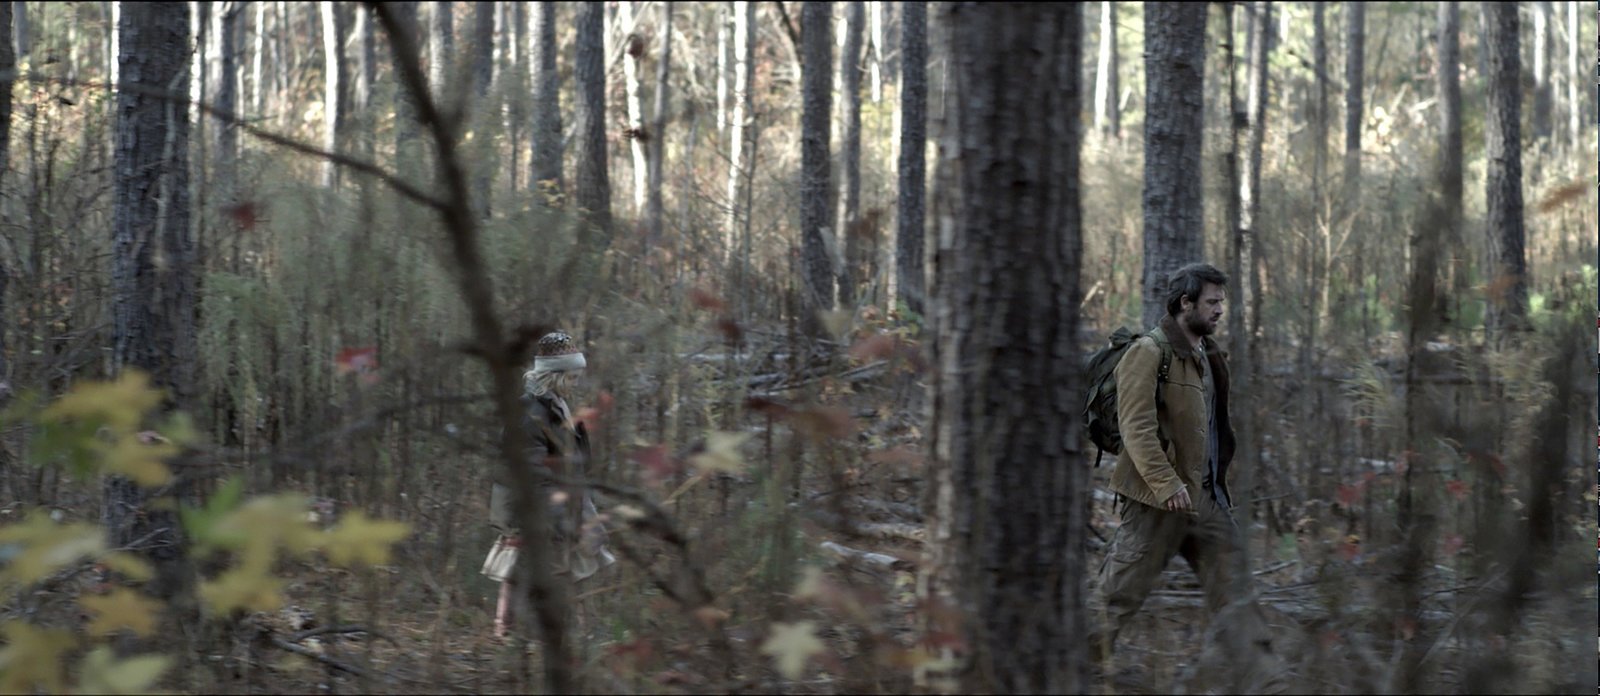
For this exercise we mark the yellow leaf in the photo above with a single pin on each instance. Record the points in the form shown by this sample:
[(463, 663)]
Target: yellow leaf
[(791, 646), (140, 461), (722, 452), (101, 672), (122, 404), (122, 608), (130, 566), (246, 587), (31, 660), (361, 540), (47, 547)]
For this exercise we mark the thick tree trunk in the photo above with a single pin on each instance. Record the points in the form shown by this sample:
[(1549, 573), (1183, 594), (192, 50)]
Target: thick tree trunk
[(594, 184), (1174, 87), (816, 32), (744, 39), (1450, 148), (406, 149), (483, 68), (1013, 488), (441, 50), (153, 255), (8, 62), (850, 237), (1543, 90), (24, 29), (1574, 80), (658, 126), (1354, 112), (639, 132), (334, 74), (910, 269), (546, 140), (1508, 276), (1250, 185), (720, 64), (258, 92), (1107, 117), (875, 39)]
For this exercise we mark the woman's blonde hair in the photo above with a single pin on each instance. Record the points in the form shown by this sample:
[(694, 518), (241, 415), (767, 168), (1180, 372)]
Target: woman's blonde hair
[(554, 382)]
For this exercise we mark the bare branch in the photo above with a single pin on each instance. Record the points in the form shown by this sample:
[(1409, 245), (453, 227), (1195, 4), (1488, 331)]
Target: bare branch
[(394, 181)]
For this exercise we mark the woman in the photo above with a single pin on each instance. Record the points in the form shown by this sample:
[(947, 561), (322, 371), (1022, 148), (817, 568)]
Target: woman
[(555, 445)]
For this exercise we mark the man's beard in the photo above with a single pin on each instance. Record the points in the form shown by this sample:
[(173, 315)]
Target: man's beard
[(1198, 325)]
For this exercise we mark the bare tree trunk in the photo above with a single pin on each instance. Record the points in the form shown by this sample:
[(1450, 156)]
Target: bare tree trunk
[(546, 140), (1354, 112), (850, 237), (724, 14), (334, 77), (1508, 277), (1107, 117), (1450, 152), (258, 92), (1574, 79), (1543, 91), (875, 39), (638, 131), (909, 220), (1174, 84), (8, 62), (816, 32), (24, 29), (594, 184), (405, 109), (153, 301), (1250, 185), (517, 91), (441, 49), (483, 65), (1014, 489), (744, 40), (657, 142)]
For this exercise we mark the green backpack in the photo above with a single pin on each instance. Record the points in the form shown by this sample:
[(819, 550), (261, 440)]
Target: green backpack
[(1100, 406)]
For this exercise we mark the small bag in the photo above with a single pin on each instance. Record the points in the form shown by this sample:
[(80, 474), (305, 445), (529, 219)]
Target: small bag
[(502, 559)]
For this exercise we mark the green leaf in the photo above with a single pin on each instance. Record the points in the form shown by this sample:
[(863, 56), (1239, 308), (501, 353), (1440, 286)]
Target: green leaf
[(100, 672)]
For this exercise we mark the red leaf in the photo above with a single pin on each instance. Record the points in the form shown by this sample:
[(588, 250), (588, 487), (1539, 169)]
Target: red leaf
[(1458, 488), (1349, 550), (903, 455), (245, 214), (704, 299), (768, 407), (657, 464), (1347, 495), (1452, 544), (730, 330), (825, 421), (361, 360), (873, 347)]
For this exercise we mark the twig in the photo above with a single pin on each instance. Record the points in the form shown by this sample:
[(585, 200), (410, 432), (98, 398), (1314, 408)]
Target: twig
[(324, 659), (788, 28), (232, 119), (353, 628)]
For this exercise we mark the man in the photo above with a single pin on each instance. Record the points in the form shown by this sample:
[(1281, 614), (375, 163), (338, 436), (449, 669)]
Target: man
[(1171, 477)]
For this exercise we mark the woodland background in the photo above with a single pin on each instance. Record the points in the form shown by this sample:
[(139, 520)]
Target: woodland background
[(835, 267)]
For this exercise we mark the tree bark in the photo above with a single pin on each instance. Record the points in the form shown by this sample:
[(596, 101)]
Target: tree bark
[(744, 39), (24, 29), (546, 138), (1450, 148), (1107, 117), (258, 56), (441, 49), (1250, 186), (850, 236), (483, 69), (153, 255), (816, 68), (8, 62), (405, 111), (1174, 84), (1355, 48), (724, 13), (1543, 90), (335, 73), (1574, 80), (875, 39), (638, 131), (1011, 500), (658, 127), (1508, 281), (594, 184), (910, 228)]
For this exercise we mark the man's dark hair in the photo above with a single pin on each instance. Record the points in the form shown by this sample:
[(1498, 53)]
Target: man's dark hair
[(1189, 281)]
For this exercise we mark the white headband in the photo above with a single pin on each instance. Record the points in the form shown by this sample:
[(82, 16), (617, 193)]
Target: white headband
[(559, 363)]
